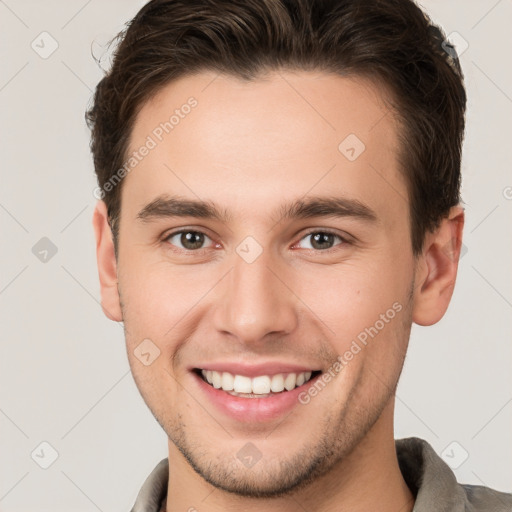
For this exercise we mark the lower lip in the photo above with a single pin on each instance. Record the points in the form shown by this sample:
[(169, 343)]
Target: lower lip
[(250, 410)]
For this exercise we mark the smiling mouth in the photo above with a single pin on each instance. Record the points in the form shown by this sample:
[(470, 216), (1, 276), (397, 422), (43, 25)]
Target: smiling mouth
[(261, 386)]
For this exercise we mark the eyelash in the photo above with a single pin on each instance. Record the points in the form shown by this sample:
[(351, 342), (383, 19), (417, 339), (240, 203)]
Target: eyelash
[(344, 240)]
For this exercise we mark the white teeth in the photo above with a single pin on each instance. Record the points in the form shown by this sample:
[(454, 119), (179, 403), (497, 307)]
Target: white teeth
[(260, 385), (217, 379), (277, 383), (227, 381), (242, 384), (290, 381)]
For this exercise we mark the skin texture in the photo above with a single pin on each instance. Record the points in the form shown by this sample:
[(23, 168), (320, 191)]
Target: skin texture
[(250, 147)]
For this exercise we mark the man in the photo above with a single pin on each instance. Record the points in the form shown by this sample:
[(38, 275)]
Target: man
[(279, 185)]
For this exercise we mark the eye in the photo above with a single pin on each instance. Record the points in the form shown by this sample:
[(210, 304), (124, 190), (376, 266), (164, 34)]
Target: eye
[(322, 240), (190, 240)]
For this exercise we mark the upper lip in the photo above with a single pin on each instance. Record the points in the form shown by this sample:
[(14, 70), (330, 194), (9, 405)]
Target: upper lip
[(254, 370)]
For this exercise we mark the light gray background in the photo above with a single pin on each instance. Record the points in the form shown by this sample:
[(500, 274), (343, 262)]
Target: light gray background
[(64, 372)]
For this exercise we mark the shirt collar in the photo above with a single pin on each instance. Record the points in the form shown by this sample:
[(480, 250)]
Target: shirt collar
[(429, 478)]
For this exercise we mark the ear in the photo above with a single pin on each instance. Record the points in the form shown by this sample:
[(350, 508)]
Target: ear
[(436, 269), (107, 265)]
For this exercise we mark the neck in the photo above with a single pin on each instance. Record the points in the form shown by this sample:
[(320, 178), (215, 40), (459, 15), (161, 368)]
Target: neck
[(367, 479)]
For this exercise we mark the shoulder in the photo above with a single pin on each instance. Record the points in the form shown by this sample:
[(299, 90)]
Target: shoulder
[(435, 486), (484, 498), (154, 489)]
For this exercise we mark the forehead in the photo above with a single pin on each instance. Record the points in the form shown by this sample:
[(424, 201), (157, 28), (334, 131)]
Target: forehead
[(247, 143)]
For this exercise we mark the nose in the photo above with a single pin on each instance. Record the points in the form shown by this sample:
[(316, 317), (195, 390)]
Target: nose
[(255, 302)]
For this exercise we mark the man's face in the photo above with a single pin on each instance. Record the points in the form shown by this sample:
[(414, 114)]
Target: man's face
[(259, 293)]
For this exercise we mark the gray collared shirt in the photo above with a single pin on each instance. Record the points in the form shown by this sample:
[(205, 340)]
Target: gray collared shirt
[(429, 478)]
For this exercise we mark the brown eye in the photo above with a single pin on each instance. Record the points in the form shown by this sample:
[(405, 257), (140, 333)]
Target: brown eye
[(188, 240), (321, 240)]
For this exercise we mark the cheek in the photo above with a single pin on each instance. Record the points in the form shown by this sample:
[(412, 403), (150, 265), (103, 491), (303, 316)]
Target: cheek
[(157, 296), (365, 311), (161, 308), (350, 297), (364, 306)]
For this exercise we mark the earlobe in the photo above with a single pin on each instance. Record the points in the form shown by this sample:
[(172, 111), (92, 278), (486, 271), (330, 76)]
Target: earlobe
[(436, 269), (107, 265)]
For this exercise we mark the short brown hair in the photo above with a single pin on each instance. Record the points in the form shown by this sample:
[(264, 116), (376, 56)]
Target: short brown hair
[(391, 41)]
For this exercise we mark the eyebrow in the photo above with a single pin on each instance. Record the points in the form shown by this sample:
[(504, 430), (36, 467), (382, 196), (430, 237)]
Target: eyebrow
[(166, 206)]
